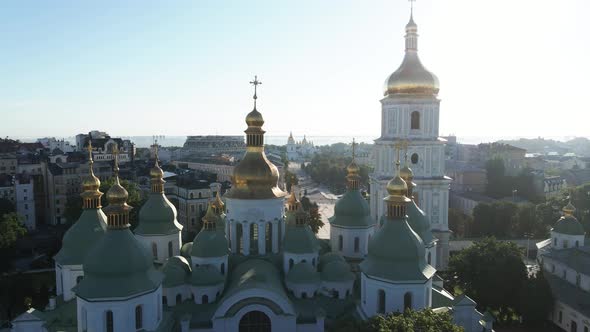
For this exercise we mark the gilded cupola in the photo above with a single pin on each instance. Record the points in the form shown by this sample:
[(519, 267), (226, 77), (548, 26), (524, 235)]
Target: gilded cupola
[(353, 177), (117, 211), (411, 78), (407, 175), (255, 177), (396, 201), (157, 175), (91, 185)]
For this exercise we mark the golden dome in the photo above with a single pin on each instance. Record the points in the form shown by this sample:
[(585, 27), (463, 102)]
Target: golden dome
[(255, 177), (397, 186), (156, 172), (353, 168), (218, 204), (91, 183), (117, 194), (254, 119), (411, 77), (569, 209), (292, 201)]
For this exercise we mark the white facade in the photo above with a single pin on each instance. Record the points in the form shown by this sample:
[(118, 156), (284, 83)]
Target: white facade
[(94, 316), (220, 263), (384, 296), (66, 277), (350, 242), (564, 241), (25, 203), (291, 259), (162, 247), (257, 221)]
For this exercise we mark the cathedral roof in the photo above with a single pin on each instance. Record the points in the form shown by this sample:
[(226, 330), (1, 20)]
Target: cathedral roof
[(303, 273), (206, 275), (337, 271), (157, 216), (419, 222), (300, 239), (328, 258), (210, 243), (255, 274), (352, 210), (81, 237), (175, 271), (569, 225)]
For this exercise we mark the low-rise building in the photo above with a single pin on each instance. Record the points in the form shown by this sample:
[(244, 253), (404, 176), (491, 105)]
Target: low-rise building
[(214, 144), (8, 163), (25, 200)]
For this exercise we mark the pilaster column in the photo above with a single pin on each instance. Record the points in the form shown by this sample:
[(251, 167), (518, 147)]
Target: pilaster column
[(246, 239), (275, 236), (261, 238)]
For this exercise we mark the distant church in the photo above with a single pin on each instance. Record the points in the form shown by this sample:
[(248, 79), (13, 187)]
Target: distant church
[(256, 265), (302, 150)]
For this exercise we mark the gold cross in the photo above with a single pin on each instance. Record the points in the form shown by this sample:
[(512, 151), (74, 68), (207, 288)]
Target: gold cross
[(256, 82)]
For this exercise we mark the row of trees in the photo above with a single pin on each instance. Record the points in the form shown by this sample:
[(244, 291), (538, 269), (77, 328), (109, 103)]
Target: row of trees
[(500, 185), (329, 168), (493, 274), (505, 219)]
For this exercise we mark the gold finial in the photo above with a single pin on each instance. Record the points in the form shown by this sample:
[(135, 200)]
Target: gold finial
[(116, 159), (569, 209), (353, 178), (396, 188), (256, 82), (91, 185), (210, 218), (218, 204), (292, 201)]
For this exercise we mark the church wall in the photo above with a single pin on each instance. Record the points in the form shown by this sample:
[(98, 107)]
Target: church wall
[(123, 313), (212, 292), (566, 240), (348, 236), (311, 259), (328, 287), (568, 315), (394, 295), (219, 262), (299, 289), (283, 323), (170, 294), (66, 279), (161, 242)]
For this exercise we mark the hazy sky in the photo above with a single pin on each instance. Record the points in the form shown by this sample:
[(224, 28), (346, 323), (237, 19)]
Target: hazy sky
[(506, 67)]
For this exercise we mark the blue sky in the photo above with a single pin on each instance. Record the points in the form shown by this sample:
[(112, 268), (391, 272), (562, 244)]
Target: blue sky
[(182, 67)]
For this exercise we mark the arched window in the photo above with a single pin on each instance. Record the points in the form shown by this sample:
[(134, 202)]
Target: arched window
[(578, 280), (200, 196), (109, 321), (155, 250), (415, 120), (255, 321), (429, 258), (205, 299), (84, 318), (414, 158), (78, 279), (577, 243), (254, 239), (223, 268), (335, 293), (313, 262), (192, 196), (164, 300), (304, 295), (178, 298), (356, 244), (138, 317), (268, 237), (340, 244), (240, 238), (381, 301), (170, 250), (407, 301), (564, 274), (555, 242), (290, 263)]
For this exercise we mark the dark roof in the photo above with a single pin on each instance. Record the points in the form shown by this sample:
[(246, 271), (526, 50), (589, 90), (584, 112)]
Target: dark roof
[(100, 142), (569, 294)]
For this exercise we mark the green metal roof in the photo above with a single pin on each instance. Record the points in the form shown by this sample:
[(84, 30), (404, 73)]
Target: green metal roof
[(205, 275), (255, 274), (330, 257), (396, 253), (352, 210), (337, 271), (210, 243), (157, 217), (300, 240), (186, 249), (176, 270), (81, 237), (569, 225), (118, 266), (419, 222), (303, 273)]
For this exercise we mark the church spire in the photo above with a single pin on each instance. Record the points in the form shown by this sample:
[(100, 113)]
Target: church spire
[(397, 188), (353, 178), (157, 174), (117, 211), (91, 185), (411, 31)]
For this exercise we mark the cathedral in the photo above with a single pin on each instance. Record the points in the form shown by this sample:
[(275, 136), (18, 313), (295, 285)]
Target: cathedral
[(256, 265), (300, 150)]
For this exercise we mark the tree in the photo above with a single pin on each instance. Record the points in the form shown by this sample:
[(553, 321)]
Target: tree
[(11, 229), (491, 272), (409, 321), (290, 180), (315, 218), (459, 223), (6, 206), (496, 179), (494, 219), (535, 300)]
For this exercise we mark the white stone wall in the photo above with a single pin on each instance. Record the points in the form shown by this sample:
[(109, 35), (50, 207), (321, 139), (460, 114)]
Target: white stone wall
[(212, 293), (310, 258), (161, 243), (394, 295), (348, 240), (566, 273), (396, 117), (568, 315), (170, 294), (299, 289), (562, 241), (92, 315), (343, 288), (258, 212), (283, 323), (66, 277), (220, 263)]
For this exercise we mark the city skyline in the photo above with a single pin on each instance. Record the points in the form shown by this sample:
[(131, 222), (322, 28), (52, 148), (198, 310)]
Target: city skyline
[(133, 69)]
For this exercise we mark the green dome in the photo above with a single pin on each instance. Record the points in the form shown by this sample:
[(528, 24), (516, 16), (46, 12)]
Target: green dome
[(352, 210), (185, 250), (157, 217), (337, 271), (81, 237), (118, 266), (300, 240), (210, 243), (569, 225), (396, 252), (419, 222), (205, 275), (330, 257), (303, 273), (175, 271)]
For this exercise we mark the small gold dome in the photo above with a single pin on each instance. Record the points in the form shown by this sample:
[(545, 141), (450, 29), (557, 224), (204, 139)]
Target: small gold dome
[(569, 209), (411, 78), (117, 194), (91, 183), (254, 119), (397, 186), (353, 168), (156, 171), (218, 204)]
